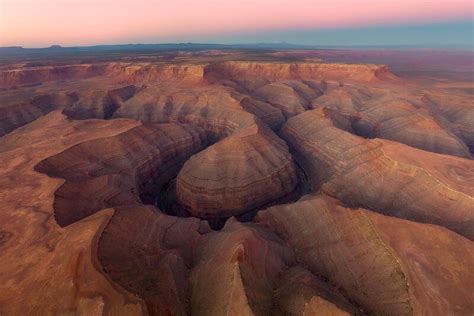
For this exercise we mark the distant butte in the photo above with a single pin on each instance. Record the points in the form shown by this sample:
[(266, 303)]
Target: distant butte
[(228, 182)]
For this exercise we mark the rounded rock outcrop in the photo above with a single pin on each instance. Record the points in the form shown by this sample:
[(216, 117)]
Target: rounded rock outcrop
[(243, 172)]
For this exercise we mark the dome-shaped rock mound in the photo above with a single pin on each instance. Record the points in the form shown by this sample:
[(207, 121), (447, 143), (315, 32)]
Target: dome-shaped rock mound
[(244, 171)]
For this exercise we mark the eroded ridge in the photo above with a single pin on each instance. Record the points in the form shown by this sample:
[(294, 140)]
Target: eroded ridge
[(177, 185), (179, 266), (126, 169), (243, 172), (359, 172), (362, 253)]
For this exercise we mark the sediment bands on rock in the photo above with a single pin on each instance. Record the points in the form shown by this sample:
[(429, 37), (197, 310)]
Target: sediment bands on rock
[(126, 71), (386, 230), (129, 168), (255, 73), (180, 267), (308, 256), (194, 72), (150, 254), (213, 108), (397, 115), (240, 173), (360, 172), (381, 262)]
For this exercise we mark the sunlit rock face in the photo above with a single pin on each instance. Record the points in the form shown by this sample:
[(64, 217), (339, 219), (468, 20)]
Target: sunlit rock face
[(244, 171), (395, 276), (362, 172), (129, 168), (231, 183)]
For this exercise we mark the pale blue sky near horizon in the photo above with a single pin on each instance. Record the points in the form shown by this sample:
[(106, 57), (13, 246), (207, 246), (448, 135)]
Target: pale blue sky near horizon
[(458, 34)]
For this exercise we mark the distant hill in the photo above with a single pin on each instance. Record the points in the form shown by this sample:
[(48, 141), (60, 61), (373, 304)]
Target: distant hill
[(18, 51)]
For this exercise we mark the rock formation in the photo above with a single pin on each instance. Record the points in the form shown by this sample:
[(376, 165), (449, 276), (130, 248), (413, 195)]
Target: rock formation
[(124, 71), (19, 114), (149, 254), (236, 183), (380, 262), (240, 173), (457, 110), (360, 172), (238, 268), (255, 74), (291, 98), (129, 168), (394, 115), (302, 293)]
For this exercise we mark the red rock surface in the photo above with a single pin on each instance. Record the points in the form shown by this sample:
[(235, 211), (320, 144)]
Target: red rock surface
[(254, 74), (118, 177), (398, 114), (120, 170), (359, 172), (125, 71), (386, 265), (240, 173)]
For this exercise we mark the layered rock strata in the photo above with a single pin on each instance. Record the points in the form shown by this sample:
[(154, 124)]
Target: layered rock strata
[(242, 172), (360, 172), (380, 262), (82, 242), (255, 74), (391, 114), (129, 168)]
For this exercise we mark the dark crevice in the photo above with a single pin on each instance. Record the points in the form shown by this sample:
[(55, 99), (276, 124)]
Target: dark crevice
[(365, 129), (17, 115), (167, 202), (98, 184), (110, 106), (151, 185)]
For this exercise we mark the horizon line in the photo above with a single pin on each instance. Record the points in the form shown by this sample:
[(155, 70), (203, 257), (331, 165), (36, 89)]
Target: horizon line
[(268, 44)]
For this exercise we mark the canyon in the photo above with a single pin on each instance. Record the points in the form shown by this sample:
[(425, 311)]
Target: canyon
[(235, 183)]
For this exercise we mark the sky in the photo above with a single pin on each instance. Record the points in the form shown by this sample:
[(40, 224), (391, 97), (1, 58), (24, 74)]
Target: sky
[(430, 23)]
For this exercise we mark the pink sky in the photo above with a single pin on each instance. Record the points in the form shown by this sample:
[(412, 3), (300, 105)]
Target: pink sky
[(33, 23)]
